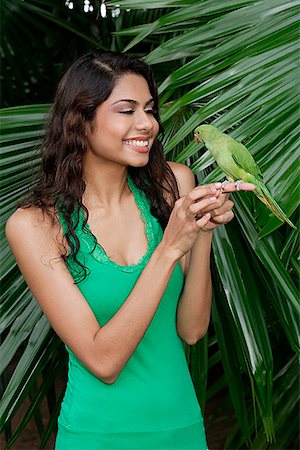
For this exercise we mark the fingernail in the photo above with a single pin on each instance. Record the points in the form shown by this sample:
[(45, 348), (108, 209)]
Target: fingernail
[(213, 190), (212, 199), (218, 185)]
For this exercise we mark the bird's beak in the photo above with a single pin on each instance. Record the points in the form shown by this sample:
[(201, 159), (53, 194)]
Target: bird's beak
[(196, 139)]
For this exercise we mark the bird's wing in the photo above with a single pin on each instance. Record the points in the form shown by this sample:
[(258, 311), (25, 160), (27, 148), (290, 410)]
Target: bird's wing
[(243, 158)]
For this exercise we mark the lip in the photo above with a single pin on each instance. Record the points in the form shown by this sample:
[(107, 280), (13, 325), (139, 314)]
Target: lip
[(136, 148), (138, 138), (140, 149)]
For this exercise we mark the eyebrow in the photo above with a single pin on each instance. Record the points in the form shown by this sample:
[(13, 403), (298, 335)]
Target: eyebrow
[(134, 102)]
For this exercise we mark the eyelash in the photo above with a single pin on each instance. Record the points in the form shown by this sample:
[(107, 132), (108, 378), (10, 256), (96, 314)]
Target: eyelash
[(131, 111)]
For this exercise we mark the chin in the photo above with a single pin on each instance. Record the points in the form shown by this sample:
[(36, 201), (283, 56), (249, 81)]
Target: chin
[(141, 163)]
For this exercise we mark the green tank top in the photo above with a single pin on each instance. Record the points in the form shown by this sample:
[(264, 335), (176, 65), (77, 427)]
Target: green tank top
[(153, 404)]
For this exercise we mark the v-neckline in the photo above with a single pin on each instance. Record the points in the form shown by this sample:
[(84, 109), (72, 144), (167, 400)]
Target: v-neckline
[(98, 252)]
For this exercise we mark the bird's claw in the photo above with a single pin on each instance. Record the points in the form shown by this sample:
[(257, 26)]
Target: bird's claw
[(223, 185), (237, 184)]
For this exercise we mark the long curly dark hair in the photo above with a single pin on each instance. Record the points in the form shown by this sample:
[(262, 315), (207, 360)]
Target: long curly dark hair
[(86, 85)]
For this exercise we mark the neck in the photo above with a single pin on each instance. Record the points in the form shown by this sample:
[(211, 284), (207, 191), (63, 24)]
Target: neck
[(213, 145), (106, 186)]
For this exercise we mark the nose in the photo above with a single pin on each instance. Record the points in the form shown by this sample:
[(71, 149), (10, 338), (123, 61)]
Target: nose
[(144, 121)]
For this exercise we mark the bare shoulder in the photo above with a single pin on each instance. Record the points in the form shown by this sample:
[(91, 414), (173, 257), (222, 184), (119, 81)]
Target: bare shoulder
[(28, 219), (23, 220), (31, 223), (184, 176)]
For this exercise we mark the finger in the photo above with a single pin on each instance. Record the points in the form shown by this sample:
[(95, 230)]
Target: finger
[(203, 221), (197, 194), (232, 187), (221, 200), (218, 211), (216, 185), (223, 218), (197, 208)]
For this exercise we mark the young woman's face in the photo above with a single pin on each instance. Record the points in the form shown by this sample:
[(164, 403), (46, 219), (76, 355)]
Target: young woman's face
[(124, 127)]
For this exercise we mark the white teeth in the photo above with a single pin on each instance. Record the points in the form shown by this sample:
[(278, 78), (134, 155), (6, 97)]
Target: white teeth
[(137, 143)]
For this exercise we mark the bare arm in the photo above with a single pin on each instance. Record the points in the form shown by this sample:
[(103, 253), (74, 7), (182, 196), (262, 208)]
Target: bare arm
[(104, 350), (194, 306)]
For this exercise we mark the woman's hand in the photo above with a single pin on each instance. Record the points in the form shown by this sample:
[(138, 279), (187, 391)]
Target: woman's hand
[(202, 209), (221, 212), (191, 213)]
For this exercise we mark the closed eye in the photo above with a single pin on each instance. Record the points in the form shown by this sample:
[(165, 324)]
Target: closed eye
[(131, 111), (127, 111)]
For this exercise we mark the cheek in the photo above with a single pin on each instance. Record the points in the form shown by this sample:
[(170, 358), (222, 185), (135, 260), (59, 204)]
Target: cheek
[(155, 128), (109, 129)]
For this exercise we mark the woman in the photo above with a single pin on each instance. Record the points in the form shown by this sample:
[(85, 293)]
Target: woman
[(111, 231)]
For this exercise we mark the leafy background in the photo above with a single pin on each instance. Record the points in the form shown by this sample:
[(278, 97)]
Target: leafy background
[(233, 63)]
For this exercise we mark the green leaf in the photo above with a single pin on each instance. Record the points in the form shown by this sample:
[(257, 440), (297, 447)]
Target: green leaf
[(230, 364), (20, 330), (53, 371), (247, 320), (16, 388), (230, 63)]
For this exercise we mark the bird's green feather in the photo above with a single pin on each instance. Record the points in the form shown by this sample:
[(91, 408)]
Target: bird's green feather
[(265, 196), (243, 158), (237, 163)]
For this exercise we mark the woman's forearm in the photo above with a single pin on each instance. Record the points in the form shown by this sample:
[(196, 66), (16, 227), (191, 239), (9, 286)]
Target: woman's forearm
[(117, 340), (194, 306)]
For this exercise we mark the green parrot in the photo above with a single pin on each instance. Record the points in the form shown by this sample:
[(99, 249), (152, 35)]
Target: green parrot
[(238, 165)]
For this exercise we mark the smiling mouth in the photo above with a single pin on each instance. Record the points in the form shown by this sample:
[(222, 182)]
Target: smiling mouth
[(137, 143), (139, 146)]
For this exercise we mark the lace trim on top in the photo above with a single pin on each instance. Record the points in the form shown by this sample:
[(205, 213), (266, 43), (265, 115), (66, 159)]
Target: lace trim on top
[(97, 251)]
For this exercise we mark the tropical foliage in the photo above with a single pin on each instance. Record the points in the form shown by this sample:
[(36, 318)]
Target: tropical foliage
[(232, 63)]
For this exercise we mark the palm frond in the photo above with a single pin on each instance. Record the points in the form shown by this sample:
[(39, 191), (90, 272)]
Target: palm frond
[(230, 63)]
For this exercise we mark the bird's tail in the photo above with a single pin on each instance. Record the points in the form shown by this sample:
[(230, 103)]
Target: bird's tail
[(266, 197)]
